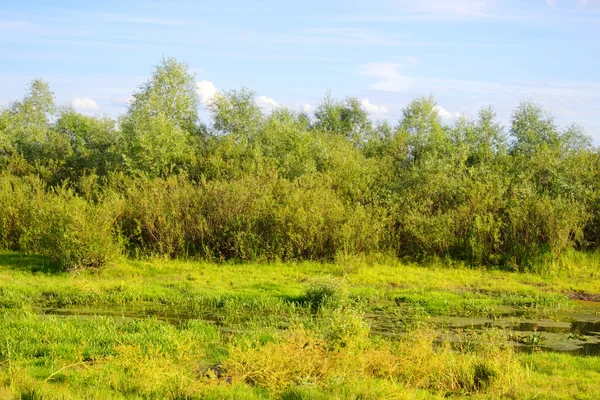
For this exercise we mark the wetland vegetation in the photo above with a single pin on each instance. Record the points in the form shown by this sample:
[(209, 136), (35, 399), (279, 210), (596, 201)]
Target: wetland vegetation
[(161, 328), (296, 256)]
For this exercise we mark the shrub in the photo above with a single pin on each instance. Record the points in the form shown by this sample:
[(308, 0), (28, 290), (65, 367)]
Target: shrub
[(71, 231), (160, 216), (15, 196)]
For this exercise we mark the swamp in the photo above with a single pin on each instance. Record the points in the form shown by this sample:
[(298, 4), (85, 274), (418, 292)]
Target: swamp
[(294, 255)]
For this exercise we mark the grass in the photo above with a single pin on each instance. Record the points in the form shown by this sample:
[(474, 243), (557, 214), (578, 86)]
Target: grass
[(326, 350), (100, 357), (437, 290)]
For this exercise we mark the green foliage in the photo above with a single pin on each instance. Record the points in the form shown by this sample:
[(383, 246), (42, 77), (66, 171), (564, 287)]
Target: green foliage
[(15, 201), (327, 292), (159, 123), (27, 120), (286, 185), (94, 144), (69, 230), (346, 118), (236, 113)]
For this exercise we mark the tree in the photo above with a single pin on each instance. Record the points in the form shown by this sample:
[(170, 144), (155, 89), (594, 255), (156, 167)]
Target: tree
[(346, 118), (161, 120), (236, 113), (94, 143), (422, 124), (531, 127), (26, 122)]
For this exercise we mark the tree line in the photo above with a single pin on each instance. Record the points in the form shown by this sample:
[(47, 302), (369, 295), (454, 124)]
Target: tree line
[(287, 185)]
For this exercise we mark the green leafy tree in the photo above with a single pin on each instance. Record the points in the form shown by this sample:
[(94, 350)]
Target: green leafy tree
[(93, 141), (25, 124), (161, 120), (236, 113), (346, 118)]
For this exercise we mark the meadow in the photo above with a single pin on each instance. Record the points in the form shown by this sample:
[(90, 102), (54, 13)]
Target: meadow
[(187, 329)]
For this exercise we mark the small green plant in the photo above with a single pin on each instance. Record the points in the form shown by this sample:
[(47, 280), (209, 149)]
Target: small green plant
[(327, 292), (577, 336), (534, 340)]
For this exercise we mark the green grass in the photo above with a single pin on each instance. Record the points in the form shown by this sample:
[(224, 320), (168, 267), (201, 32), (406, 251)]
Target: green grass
[(28, 281), (114, 357), (102, 357)]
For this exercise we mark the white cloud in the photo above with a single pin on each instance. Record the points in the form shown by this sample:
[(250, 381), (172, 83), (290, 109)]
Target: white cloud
[(267, 103), (389, 78), (373, 108), (84, 104), (207, 91), (445, 114)]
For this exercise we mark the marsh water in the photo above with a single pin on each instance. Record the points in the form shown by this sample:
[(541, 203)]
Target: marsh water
[(574, 331)]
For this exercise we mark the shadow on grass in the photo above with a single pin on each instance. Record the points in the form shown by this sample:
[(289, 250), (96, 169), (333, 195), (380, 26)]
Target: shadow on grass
[(28, 263)]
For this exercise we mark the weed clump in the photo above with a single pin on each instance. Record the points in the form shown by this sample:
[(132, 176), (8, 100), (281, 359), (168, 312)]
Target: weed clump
[(303, 358), (327, 292)]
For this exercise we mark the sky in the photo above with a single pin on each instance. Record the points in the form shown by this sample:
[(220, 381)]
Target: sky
[(467, 53)]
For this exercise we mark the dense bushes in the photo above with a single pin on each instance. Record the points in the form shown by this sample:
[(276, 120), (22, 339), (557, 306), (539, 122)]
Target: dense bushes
[(68, 229), (289, 185), (250, 218)]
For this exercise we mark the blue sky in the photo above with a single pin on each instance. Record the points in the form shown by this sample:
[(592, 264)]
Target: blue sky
[(468, 53)]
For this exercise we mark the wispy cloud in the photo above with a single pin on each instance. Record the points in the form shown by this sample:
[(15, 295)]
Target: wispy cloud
[(356, 36), (588, 2), (474, 10), (569, 100), (18, 25), (342, 36), (579, 3), (388, 77), (129, 18), (406, 10), (463, 8)]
